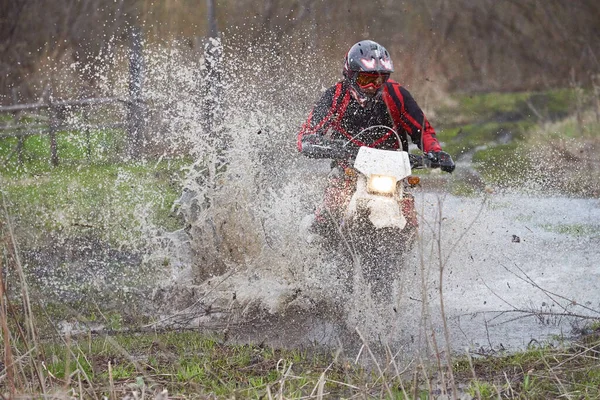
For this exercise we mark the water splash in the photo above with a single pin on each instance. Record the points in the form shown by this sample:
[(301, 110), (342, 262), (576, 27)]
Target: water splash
[(239, 263)]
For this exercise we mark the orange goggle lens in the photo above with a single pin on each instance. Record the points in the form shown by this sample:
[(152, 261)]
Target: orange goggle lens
[(366, 78)]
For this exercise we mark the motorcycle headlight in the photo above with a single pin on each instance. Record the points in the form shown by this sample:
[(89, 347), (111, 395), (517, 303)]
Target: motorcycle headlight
[(381, 184)]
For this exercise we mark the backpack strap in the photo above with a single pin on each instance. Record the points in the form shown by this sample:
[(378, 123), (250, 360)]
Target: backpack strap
[(338, 126), (334, 110)]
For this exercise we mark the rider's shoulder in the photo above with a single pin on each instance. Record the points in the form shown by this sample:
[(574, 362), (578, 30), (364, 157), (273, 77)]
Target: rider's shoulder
[(393, 83), (395, 86)]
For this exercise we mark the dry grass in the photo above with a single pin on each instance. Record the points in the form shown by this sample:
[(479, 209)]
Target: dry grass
[(567, 151)]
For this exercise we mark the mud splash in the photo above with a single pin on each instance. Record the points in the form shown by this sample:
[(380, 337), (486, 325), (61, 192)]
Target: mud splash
[(517, 269)]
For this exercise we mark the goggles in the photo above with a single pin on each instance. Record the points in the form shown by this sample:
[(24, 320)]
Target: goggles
[(371, 78)]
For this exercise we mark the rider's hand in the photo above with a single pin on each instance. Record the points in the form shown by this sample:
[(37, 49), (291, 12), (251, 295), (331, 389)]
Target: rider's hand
[(442, 160)]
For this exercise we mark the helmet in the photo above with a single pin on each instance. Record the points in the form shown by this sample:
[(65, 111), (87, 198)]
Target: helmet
[(367, 67)]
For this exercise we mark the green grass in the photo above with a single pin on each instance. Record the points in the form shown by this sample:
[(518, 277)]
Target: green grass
[(576, 230), (505, 164), (468, 137), (192, 364), (112, 201), (551, 105), (189, 362), (73, 149), (111, 207), (484, 389), (90, 189), (570, 129), (513, 139), (537, 373)]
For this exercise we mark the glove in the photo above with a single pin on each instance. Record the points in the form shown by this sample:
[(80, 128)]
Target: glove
[(416, 161), (442, 160)]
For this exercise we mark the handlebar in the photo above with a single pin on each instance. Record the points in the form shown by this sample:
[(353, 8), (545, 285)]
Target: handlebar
[(416, 161), (317, 146), (439, 159)]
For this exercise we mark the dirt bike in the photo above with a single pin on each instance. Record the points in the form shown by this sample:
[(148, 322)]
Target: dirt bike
[(368, 211)]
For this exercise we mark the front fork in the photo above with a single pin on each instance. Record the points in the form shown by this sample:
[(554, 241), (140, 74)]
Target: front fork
[(409, 211)]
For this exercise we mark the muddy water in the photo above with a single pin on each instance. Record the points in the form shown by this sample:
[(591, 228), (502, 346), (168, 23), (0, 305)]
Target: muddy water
[(517, 268)]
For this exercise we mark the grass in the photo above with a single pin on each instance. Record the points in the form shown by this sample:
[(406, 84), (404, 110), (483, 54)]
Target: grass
[(112, 200), (469, 137), (553, 104), (192, 364), (503, 165), (73, 148), (84, 225), (547, 141), (91, 191), (572, 371), (577, 230), (195, 365)]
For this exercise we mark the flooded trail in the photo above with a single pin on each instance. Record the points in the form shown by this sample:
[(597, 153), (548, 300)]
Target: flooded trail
[(518, 267)]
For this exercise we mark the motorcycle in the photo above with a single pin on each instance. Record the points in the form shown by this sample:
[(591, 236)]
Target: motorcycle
[(369, 211)]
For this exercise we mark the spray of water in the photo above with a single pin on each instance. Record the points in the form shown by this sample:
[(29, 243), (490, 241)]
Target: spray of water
[(239, 262), (244, 194)]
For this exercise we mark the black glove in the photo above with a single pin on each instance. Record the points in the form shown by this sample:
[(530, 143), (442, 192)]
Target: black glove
[(416, 161), (442, 160)]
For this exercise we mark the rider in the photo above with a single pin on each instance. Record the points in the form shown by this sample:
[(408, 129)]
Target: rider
[(367, 98)]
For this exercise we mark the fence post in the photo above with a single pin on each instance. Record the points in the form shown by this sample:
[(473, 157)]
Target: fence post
[(21, 140), (212, 84), (57, 115), (17, 119), (88, 141), (136, 111), (212, 19), (596, 86)]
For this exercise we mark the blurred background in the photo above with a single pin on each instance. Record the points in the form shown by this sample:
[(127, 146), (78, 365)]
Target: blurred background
[(458, 45)]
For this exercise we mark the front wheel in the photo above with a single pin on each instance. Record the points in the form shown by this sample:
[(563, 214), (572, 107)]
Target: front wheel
[(384, 265), (380, 253)]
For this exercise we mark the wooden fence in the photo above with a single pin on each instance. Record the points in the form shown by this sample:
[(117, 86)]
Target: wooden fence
[(136, 114), (57, 113)]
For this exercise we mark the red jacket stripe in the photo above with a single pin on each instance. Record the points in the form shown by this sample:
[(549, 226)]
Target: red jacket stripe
[(306, 129), (399, 108)]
